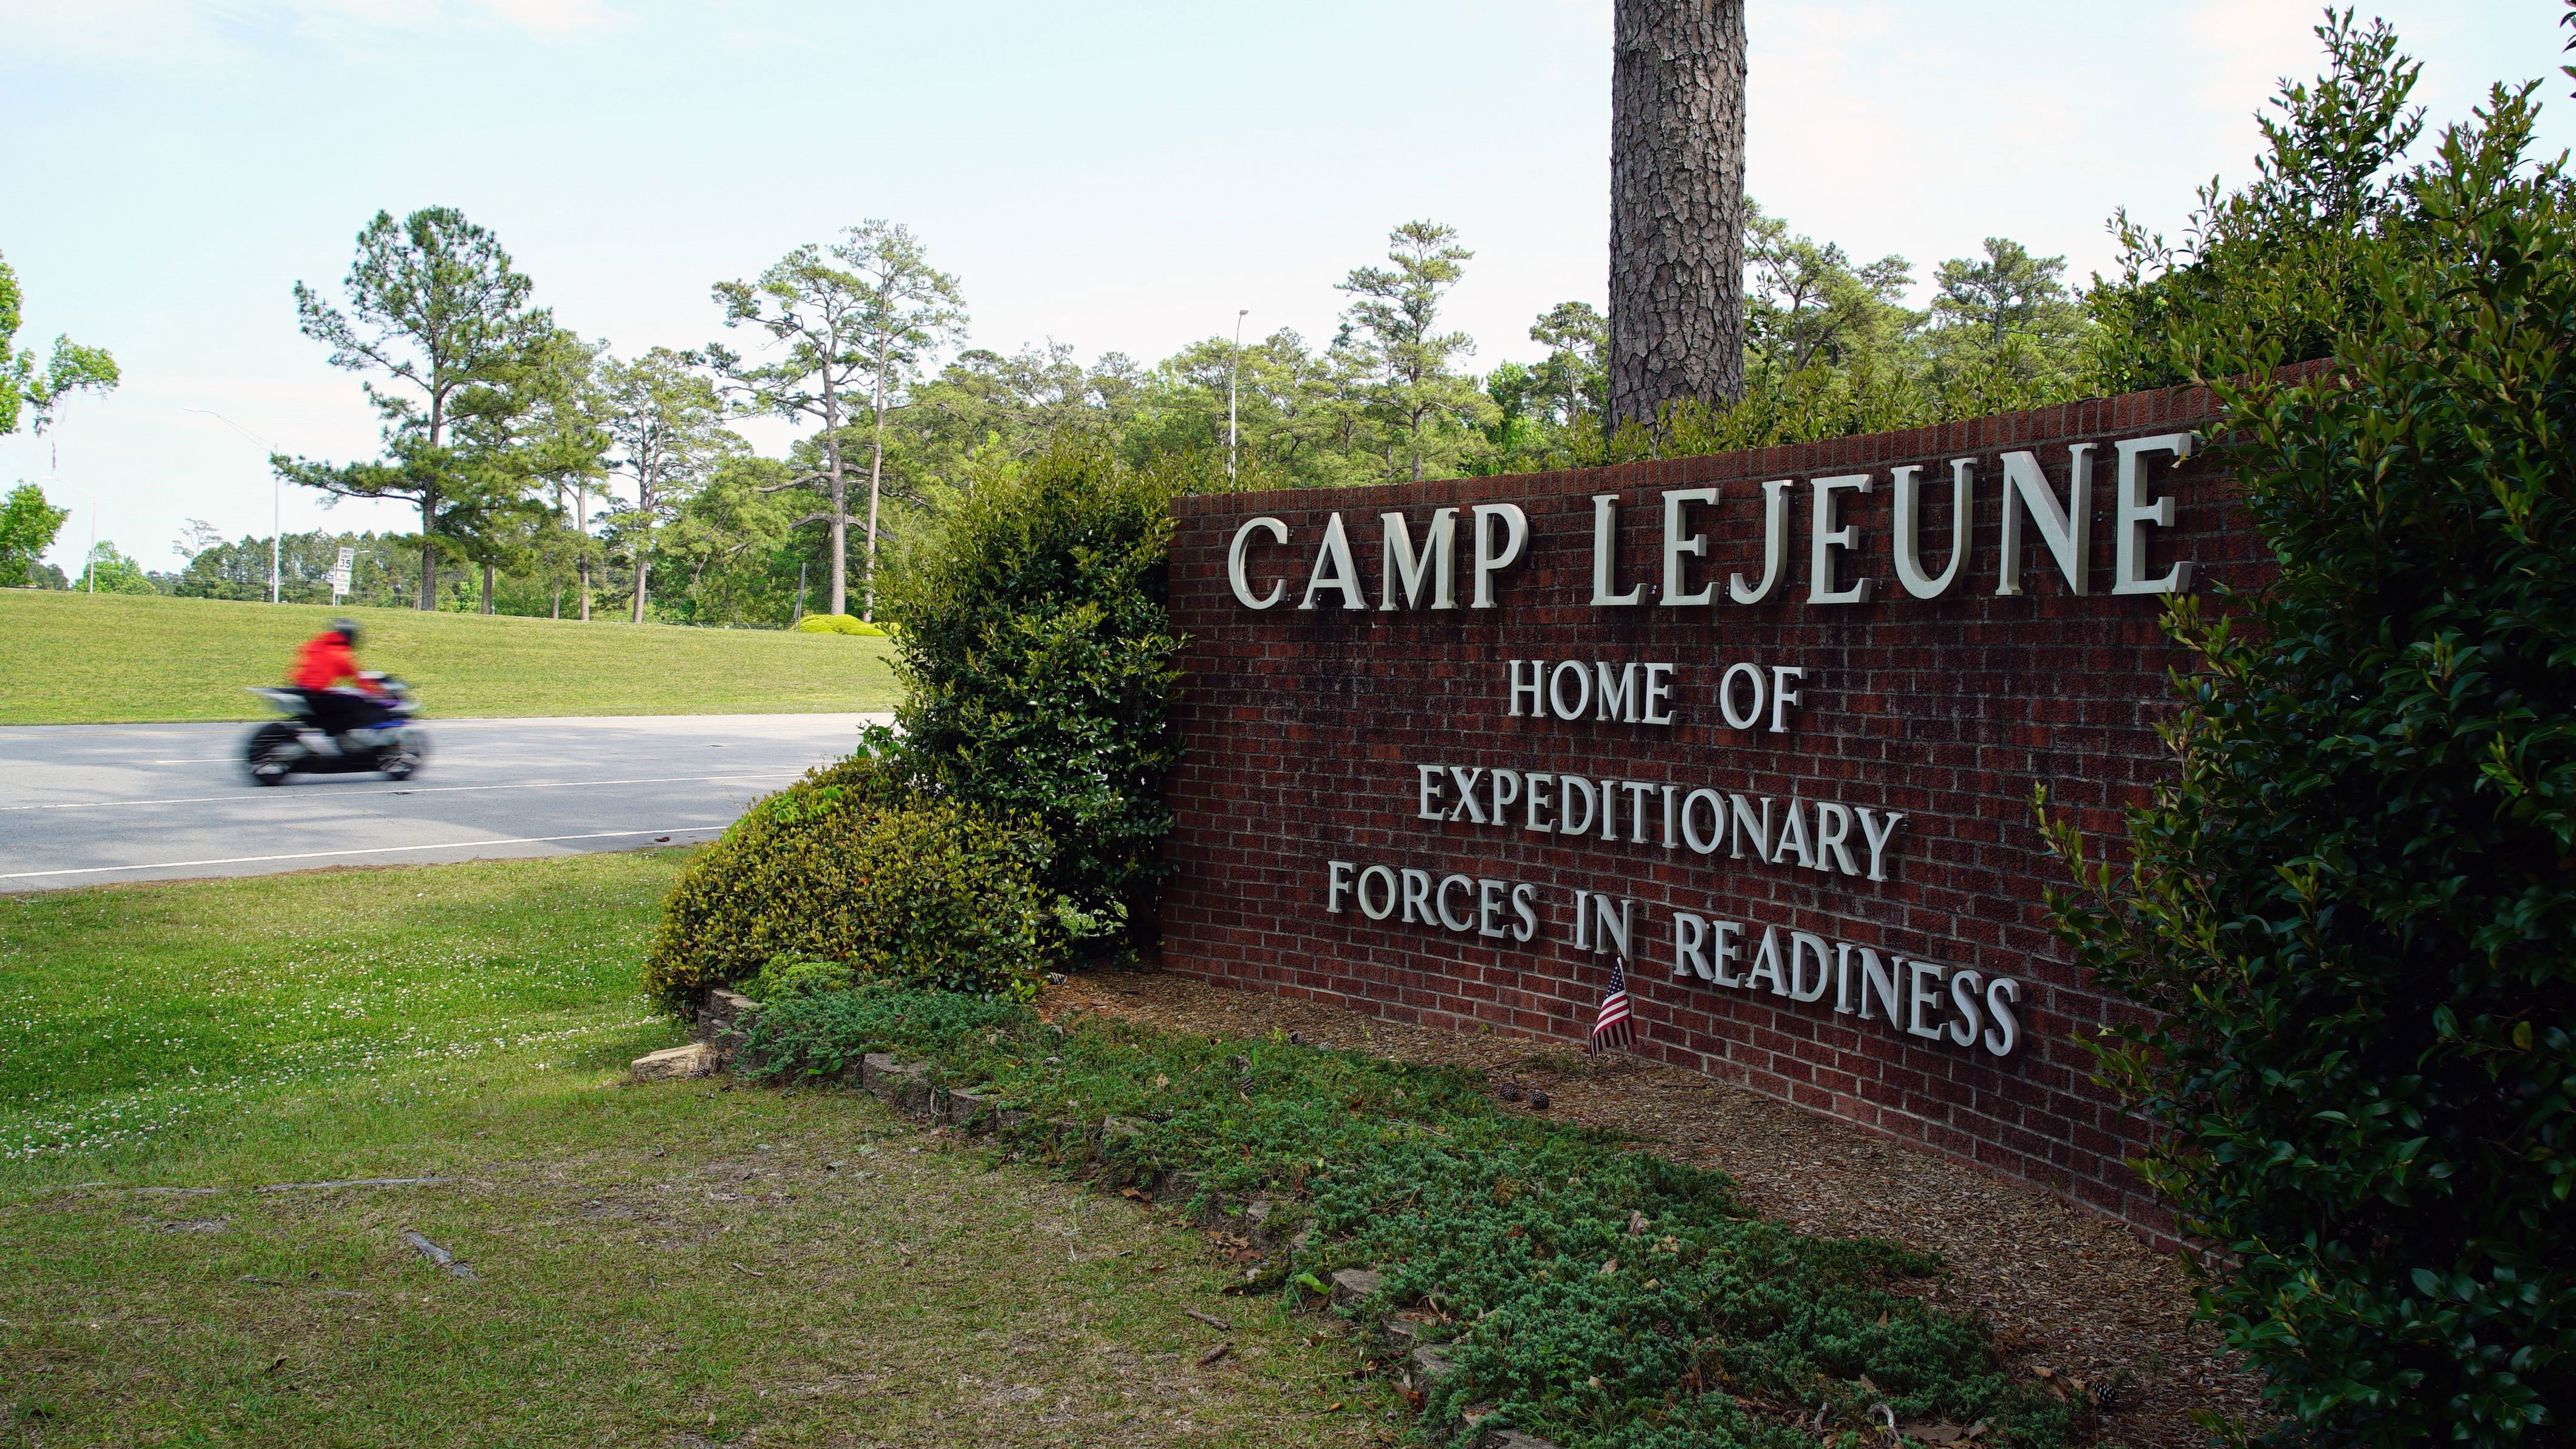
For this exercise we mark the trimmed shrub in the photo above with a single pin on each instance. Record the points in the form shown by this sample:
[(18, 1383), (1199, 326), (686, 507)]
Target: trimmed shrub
[(2355, 909), (840, 624), (850, 868), (1037, 654)]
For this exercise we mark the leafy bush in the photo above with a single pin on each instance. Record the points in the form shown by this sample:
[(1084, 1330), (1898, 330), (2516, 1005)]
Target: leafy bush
[(1037, 657), (851, 866), (1713, 1328), (2272, 272), (2356, 907), (840, 624)]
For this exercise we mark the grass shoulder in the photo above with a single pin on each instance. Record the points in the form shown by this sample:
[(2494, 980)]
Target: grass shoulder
[(88, 659), (672, 1263)]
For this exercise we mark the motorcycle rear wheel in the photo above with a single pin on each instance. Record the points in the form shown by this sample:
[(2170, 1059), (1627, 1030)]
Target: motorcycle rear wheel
[(267, 755)]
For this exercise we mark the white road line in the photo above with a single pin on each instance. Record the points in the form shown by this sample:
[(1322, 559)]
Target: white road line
[(373, 850), (345, 794)]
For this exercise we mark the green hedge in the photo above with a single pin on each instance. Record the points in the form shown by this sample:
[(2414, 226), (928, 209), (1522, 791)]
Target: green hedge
[(2355, 908), (1703, 1327), (1037, 659), (851, 865)]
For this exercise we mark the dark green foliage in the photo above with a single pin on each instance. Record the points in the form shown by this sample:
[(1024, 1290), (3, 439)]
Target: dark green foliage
[(1037, 655), (2356, 907), (1714, 1329), (850, 865)]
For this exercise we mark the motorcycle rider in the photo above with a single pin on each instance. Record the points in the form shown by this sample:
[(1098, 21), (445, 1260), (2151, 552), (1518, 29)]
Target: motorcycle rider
[(326, 659)]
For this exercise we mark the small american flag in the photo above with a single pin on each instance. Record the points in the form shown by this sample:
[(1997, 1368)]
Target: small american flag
[(1612, 1029)]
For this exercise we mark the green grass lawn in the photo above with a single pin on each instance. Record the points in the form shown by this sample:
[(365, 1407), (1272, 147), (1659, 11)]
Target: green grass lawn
[(674, 1264), (83, 659)]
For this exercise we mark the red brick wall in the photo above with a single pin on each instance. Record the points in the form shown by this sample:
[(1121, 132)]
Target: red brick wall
[(1304, 729)]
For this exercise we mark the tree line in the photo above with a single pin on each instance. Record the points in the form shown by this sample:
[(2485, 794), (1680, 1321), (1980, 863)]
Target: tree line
[(564, 473)]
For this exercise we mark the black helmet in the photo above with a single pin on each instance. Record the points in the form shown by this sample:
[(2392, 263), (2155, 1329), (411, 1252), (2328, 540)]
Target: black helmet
[(347, 629)]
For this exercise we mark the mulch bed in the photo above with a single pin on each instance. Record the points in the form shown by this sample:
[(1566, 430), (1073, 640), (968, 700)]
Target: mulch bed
[(2068, 1294)]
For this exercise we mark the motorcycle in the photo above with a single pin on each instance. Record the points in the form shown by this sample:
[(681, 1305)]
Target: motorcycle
[(392, 744)]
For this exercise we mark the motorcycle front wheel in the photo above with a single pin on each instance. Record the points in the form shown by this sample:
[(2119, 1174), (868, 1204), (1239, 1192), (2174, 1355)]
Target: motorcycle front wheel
[(270, 755)]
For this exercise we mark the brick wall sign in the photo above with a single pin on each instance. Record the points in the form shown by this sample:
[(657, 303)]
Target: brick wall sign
[(1766, 724)]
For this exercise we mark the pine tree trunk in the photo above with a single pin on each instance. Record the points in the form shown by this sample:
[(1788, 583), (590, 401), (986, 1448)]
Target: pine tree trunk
[(1676, 205), (487, 588)]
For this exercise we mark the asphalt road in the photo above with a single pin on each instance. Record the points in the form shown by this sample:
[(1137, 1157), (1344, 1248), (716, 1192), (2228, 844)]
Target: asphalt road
[(89, 804)]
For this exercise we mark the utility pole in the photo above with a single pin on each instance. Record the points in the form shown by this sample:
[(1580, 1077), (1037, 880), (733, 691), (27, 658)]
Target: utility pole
[(276, 499), (1232, 370)]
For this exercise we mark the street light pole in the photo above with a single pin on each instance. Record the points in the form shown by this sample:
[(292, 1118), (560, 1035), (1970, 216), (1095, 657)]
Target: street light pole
[(1232, 369), (276, 499)]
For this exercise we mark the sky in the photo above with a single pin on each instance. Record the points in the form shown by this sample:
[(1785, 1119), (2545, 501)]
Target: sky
[(1118, 177)]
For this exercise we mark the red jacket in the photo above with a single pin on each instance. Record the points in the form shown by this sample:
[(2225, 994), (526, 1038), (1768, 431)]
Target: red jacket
[(324, 661)]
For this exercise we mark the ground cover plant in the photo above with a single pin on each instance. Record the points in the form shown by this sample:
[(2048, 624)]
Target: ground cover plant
[(84, 659), (668, 1264), (2355, 908), (1589, 1294)]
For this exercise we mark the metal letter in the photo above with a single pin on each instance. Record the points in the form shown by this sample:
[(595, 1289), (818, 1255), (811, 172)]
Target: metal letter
[(1556, 689), (1879, 981), (1334, 569), (2005, 1034), (1436, 564), (1725, 934), (1489, 908), (2134, 514), (1793, 836), (1802, 946), (1535, 688), (1677, 546), (1726, 696), (1876, 837), (1916, 998), (1464, 780), (1716, 821), (1617, 697), (1833, 829), (1908, 528), (1463, 924), (1491, 560), (1378, 913), (1659, 686), (1824, 538), (1690, 947), (1234, 571), (1610, 933), (2067, 531), (1767, 962), (1417, 896), (1574, 786), (1963, 999), (1605, 555), (1335, 885), (1775, 545), (1782, 696), (1745, 825)]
